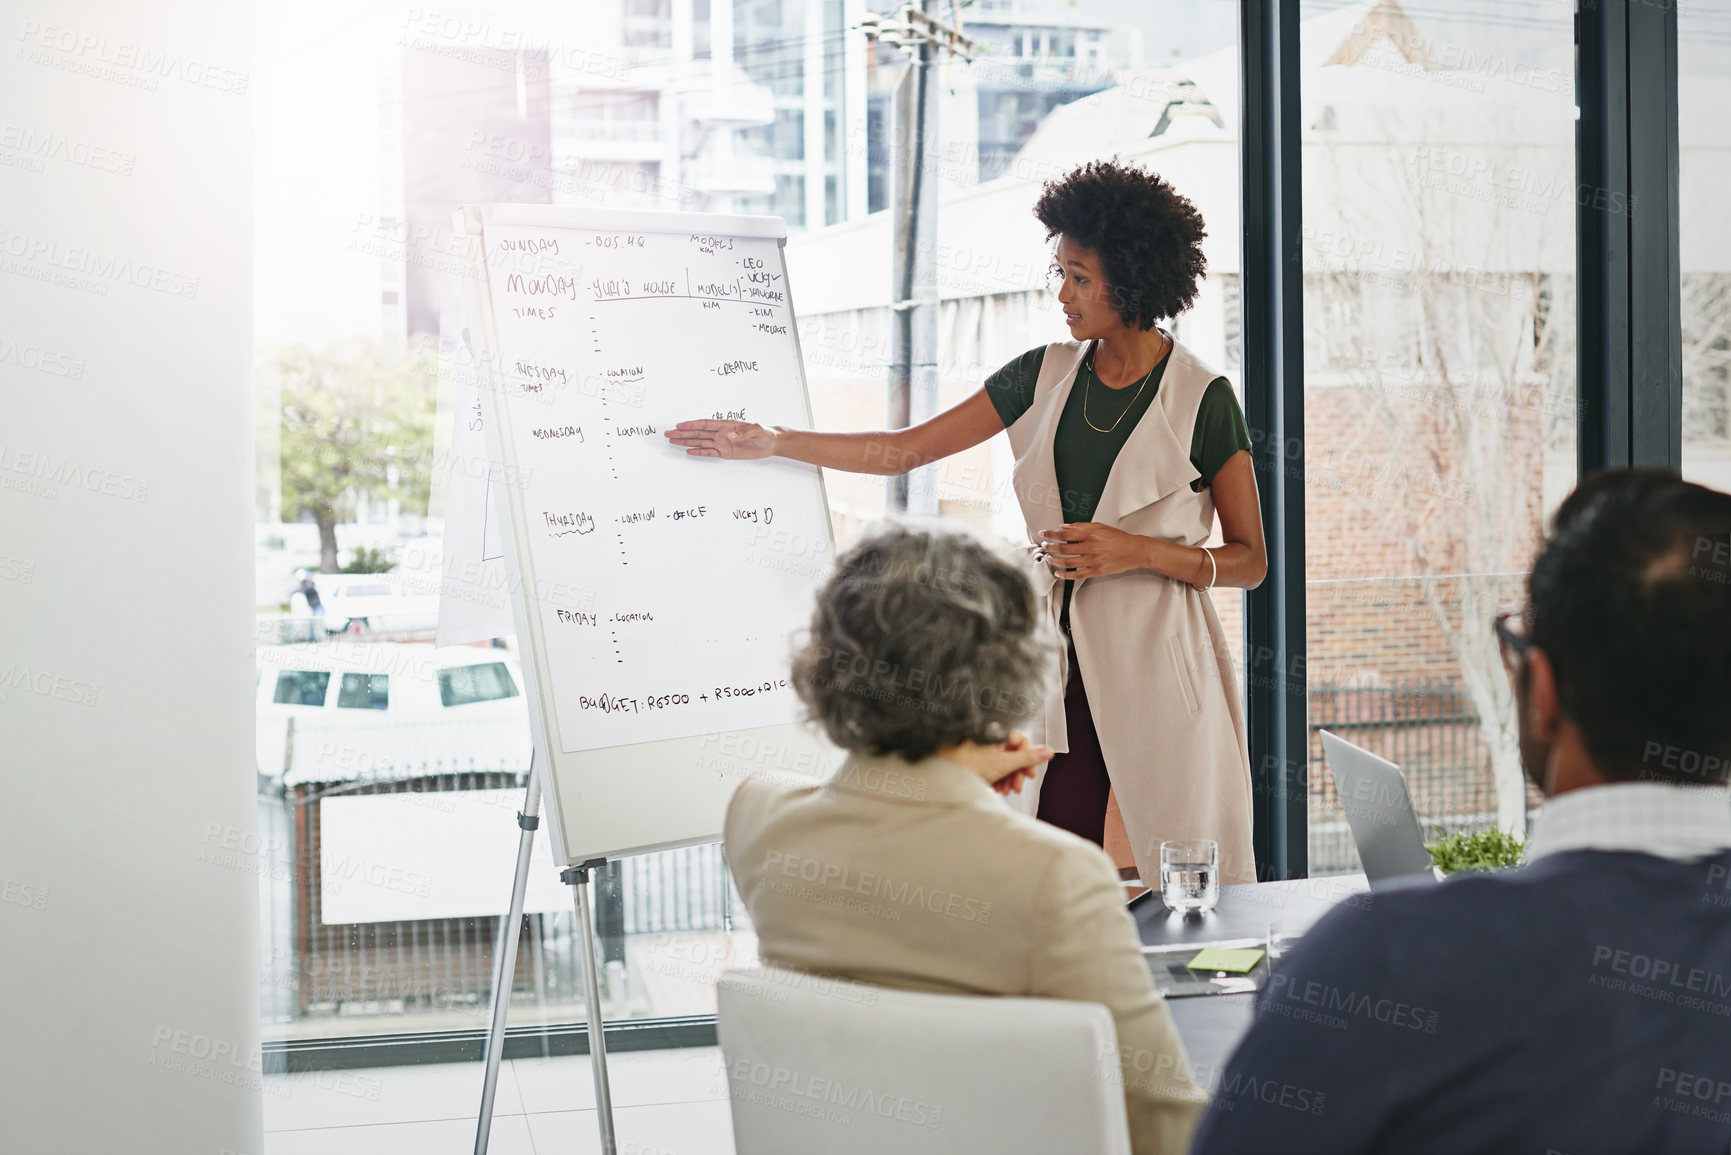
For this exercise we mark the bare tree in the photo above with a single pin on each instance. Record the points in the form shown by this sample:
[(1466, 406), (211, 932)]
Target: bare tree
[(1462, 366), (1706, 313)]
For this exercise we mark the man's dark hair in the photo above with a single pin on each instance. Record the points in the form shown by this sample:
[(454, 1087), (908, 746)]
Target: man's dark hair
[(1148, 236), (1631, 601)]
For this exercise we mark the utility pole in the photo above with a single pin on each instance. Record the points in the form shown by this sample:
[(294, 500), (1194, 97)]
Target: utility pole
[(913, 377)]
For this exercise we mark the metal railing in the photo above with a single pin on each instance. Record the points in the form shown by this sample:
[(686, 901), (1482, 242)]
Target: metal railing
[(1431, 731), (284, 629), (332, 971)]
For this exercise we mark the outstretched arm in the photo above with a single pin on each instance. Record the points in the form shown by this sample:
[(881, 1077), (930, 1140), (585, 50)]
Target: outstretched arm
[(887, 452)]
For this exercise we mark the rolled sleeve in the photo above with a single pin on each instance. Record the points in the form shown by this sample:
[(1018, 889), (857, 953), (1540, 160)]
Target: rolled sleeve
[(1011, 388), (1221, 430)]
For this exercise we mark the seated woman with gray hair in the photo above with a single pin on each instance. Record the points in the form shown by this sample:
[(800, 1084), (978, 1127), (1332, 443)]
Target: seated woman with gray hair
[(905, 869)]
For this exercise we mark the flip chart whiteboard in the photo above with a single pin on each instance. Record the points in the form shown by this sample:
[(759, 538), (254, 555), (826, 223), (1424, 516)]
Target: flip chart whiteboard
[(474, 601), (656, 594)]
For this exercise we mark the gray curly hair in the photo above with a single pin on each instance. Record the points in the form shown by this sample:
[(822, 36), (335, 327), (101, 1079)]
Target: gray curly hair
[(923, 637)]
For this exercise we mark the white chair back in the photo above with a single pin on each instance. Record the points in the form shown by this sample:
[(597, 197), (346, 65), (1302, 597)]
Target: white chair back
[(825, 1066)]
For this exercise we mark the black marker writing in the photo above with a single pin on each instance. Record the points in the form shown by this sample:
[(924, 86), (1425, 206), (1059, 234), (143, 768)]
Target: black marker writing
[(560, 431), (568, 523)]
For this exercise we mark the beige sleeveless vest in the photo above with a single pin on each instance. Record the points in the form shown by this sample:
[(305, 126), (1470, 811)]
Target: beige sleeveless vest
[(1154, 659)]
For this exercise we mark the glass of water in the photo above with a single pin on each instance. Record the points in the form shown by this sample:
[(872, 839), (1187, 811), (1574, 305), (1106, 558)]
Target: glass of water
[(1190, 874), (1283, 935)]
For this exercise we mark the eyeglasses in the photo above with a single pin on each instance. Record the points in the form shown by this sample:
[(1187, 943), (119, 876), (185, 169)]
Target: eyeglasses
[(1512, 642)]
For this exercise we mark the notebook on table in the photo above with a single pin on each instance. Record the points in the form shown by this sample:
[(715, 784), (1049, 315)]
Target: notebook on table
[(1229, 967)]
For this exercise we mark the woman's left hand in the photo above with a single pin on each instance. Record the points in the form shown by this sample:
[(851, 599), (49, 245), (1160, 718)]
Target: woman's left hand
[(1086, 549)]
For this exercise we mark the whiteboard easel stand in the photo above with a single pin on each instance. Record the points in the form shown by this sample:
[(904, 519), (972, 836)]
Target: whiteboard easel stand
[(577, 877), (505, 967), (505, 957)]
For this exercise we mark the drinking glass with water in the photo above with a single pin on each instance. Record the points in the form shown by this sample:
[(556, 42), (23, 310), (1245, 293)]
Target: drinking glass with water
[(1190, 874)]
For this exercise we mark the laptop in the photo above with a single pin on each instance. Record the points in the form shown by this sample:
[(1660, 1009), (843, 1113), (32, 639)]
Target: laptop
[(1379, 811)]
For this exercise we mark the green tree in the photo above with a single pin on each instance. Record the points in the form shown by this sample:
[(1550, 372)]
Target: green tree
[(354, 423)]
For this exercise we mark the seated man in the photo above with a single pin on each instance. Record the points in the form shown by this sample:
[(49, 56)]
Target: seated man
[(1582, 1002), (905, 869)]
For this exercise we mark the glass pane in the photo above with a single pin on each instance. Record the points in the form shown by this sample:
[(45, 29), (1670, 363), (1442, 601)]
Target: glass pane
[(365, 692), (462, 685), (1704, 168), (301, 687), (645, 108), (1439, 273)]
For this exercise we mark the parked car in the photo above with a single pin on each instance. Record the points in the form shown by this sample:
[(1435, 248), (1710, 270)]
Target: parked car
[(374, 603)]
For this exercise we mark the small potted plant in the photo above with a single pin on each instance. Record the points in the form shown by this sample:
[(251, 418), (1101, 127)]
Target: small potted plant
[(1483, 850)]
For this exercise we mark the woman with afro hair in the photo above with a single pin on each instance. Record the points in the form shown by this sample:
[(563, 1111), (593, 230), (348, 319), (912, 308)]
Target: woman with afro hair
[(1128, 450)]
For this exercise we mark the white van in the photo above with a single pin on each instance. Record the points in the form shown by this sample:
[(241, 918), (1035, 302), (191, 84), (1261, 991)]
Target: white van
[(344, 683)]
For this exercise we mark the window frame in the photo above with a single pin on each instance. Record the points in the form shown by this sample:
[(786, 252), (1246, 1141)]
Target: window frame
[(1628, 331), (1626, 140), (1271, 316)]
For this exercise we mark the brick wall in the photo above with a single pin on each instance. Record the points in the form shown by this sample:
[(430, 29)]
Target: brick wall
[(1402, 485)]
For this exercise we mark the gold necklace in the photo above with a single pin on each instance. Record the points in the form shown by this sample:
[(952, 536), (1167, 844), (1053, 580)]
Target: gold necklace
[(1088, 389)]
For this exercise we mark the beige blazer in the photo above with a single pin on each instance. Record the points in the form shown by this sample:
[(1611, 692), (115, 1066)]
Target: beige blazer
[(1153, 656), (917, 876)]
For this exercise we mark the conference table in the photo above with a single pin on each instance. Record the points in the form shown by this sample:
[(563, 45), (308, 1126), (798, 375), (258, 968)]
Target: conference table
[(1211, 1025)]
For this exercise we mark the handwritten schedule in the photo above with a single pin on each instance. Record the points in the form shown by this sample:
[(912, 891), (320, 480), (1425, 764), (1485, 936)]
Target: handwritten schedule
[(668, 586)]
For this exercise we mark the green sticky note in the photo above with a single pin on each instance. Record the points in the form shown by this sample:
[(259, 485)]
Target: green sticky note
[(1234, 961)]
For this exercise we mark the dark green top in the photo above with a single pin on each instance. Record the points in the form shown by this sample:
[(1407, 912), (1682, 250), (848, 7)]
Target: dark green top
[(1082, 456)]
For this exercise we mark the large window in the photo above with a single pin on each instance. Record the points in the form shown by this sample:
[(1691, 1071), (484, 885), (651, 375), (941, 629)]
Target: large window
[(1439, 402), (387, 799), (1704, 163), (1439, 383)]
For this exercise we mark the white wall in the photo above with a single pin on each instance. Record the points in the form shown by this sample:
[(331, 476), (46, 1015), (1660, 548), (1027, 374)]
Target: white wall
[(128, 932)]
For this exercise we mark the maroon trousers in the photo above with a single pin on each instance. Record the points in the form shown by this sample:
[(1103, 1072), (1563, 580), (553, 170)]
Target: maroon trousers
[(1074, 792)]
